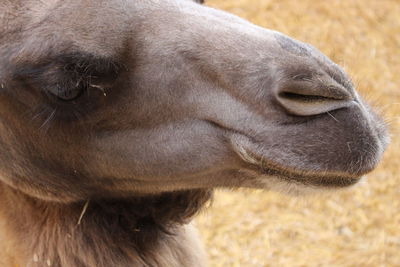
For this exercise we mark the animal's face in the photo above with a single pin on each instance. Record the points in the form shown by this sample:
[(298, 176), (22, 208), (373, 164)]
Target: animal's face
[(123, 97)]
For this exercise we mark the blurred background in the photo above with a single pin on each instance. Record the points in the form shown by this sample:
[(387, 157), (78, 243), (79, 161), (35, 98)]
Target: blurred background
[(356, 227)]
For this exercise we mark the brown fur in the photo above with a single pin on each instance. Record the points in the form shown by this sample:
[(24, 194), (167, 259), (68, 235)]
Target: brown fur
[(118, 119), (124, 232)]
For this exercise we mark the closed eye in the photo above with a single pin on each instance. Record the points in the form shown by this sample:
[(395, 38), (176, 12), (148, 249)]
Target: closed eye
[(66, 73), (305, 98), (74, 83)]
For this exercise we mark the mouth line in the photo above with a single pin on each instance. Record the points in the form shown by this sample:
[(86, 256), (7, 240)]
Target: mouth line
[(326, 180)]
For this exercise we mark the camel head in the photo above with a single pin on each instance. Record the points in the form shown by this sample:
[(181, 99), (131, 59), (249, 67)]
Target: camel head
[(125, 98)]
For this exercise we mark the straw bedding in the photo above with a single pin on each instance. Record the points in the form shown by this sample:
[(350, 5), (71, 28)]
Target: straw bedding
[(356, 227)]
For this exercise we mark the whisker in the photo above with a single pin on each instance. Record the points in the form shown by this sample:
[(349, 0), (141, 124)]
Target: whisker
[(332, 116)]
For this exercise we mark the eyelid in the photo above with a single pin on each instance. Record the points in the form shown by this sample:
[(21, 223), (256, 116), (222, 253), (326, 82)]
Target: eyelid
[(66, 93), (67, 72), (74, 64)]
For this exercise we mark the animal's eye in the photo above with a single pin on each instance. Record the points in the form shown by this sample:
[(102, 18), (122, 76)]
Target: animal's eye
[(72, 84), (66, 93)]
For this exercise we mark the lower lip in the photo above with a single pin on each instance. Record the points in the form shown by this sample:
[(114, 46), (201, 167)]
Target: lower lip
[(313, 179), (308, 179)]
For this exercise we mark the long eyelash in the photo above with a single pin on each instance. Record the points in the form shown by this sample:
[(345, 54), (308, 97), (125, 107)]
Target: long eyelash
[(38, 114), (43, 116), (46, 124)]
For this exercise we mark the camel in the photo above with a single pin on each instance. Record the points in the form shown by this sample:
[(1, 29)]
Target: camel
[(119, 118)]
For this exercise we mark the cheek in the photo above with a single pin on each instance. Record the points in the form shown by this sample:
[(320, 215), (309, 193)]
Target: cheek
[(29, 166), (174, 150)]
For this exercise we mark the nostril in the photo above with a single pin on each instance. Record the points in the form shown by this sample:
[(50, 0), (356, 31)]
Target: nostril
[(306, 98)]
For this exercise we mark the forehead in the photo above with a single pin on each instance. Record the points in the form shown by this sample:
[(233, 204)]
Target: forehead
[(38, 26), (103, 27)]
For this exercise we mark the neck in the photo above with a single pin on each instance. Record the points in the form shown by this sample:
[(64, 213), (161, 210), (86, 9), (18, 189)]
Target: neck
[(147, 231)]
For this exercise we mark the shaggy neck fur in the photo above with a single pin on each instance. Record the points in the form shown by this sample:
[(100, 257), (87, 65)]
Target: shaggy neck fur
[(148, 231)]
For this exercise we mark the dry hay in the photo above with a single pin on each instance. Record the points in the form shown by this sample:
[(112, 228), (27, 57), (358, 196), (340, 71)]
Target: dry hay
[(357, 227)]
